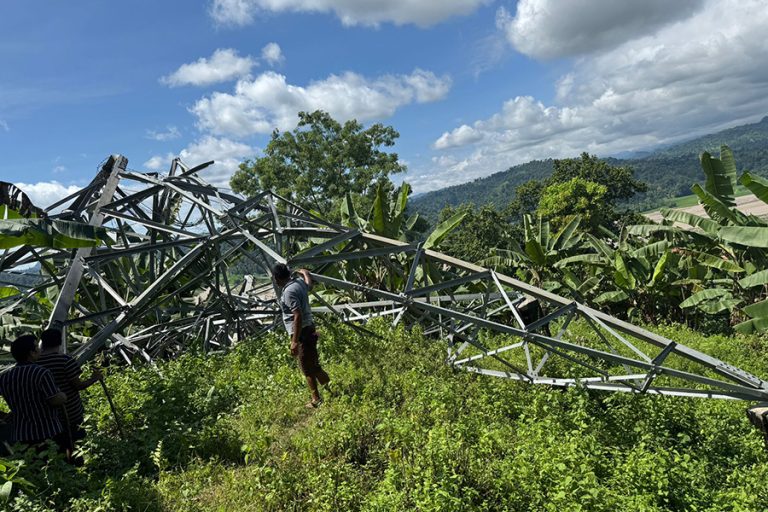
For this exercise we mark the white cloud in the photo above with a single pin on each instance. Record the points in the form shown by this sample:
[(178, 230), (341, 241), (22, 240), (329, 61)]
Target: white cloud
[(553, 28), (272, 54), (170, 133), (45, 193), (697, 76), (268, 101), (223, 65), (4, 126), (227, 153), (350, 12)]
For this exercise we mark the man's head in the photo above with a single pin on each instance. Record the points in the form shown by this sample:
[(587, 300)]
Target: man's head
[(24, 349), (51, 338), (281, 273)]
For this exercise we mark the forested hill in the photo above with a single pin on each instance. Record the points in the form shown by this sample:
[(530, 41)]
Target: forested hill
[(669, 172)]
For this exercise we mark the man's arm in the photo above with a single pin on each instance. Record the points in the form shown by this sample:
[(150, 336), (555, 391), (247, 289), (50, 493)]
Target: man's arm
[(73, 372), (296, 330), (79, 384), (307, 277), (49, 390), (58, 399)]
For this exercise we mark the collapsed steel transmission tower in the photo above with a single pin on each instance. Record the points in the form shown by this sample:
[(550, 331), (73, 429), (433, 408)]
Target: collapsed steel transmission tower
[(190, 264)]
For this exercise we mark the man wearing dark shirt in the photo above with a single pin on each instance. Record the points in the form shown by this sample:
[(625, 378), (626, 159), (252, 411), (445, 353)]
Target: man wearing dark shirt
[(66, 372), (32, 395)]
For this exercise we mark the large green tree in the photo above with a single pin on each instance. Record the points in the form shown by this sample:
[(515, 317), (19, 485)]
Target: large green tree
[(619, 182), (321, 161)]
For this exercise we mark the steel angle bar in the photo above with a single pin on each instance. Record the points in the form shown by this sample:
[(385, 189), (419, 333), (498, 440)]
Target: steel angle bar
[(603, 386), (489, 353), (553, 344), (426, 290), (549, 318), (414, 267), (265, 249), (720, 367), (512, 307), (618, 336), (104, 285), (158, 226), (89, 349), (346, 236), (657, 361), (358, 328), (91, 317), (74, 275), (605, 340), (335, 258), (309, 215)]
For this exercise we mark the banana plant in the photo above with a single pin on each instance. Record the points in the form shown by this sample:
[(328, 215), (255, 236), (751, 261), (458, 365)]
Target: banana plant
[(535, 260)]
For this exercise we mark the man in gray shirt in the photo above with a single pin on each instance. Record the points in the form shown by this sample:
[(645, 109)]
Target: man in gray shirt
[(297, 317)]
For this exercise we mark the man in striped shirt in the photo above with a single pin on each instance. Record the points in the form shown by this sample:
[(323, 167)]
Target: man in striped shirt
[(66, 372), (32, 395)]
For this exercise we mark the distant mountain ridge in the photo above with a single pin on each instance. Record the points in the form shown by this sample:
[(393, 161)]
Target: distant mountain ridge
[(669, 172)]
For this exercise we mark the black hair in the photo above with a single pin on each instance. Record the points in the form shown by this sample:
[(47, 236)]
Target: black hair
[(50, 338), (281, 271), (22, 346)]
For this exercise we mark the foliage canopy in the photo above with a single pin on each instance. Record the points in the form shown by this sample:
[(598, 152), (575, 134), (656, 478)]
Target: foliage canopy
[(322, 160)]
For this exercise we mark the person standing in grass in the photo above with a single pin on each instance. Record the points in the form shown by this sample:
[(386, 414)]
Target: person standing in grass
[(297, 317), (32, 395), (66, 372)]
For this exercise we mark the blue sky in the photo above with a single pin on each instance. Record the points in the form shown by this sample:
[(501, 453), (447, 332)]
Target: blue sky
[(473, 86)]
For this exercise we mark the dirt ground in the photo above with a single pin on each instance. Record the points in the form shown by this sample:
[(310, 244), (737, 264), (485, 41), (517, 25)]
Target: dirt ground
[(748, 204)]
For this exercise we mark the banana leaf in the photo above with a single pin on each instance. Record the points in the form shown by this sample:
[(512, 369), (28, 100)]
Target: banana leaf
[(683, 217), (757, 310), (614, 296), (562, 239), (623, 277), (704, 295), (43, 232), (591, 259), (713, 307), (721, 175), (651, 250), (717, 209), (649, 229), (8, 291), (752, 325), (443, 230), (712, 261), (658, 271), (757, 279), (748, 236), (756, 185), (380, 214)]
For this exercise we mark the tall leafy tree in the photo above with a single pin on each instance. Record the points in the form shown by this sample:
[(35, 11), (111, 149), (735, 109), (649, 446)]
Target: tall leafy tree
[(619, 182), (321, 161)]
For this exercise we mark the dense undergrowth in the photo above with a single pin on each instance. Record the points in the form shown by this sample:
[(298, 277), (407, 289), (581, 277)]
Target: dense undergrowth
[(402, 431)]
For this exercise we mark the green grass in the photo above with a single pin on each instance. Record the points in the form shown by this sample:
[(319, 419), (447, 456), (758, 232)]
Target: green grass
[(402, 432)]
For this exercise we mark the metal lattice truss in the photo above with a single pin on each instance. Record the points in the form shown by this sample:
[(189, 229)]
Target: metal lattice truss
[(190, 265)]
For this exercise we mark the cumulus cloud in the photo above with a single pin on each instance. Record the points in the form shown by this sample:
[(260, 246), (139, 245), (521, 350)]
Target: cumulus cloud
[(698, 76), (272, 54), (45, 193), (223, 65), (227, 153), (350, 12), (269, 101), (552, 28), (170, 133)]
